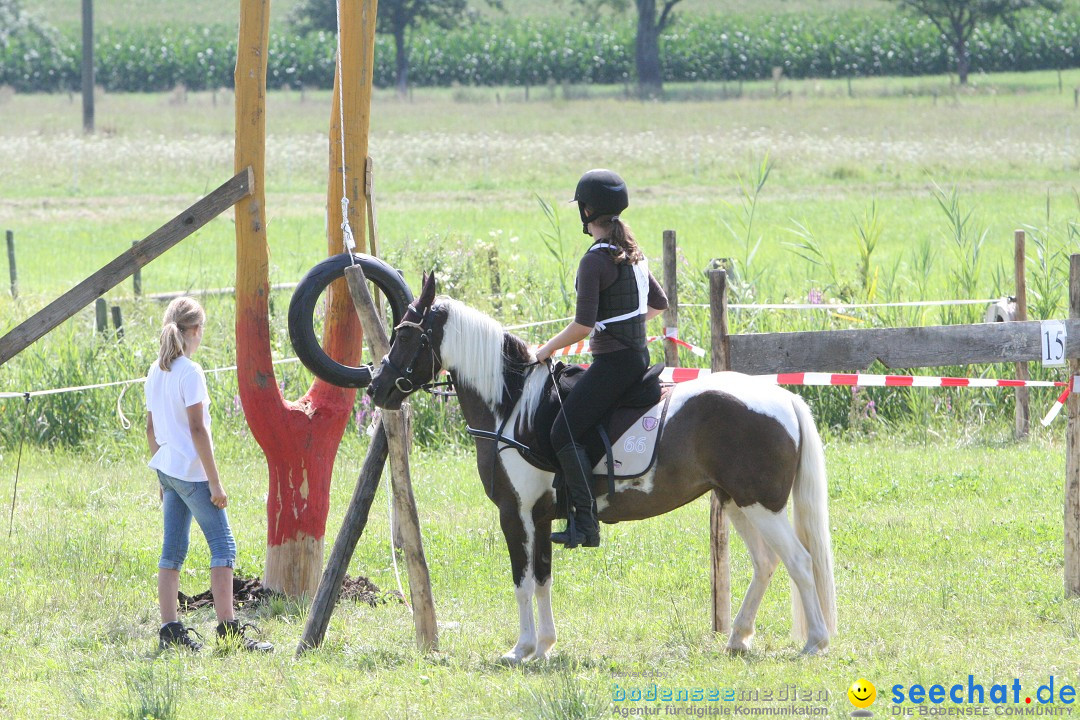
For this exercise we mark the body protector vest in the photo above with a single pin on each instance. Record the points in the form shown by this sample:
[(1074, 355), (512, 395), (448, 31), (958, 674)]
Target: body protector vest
[(623, 306)]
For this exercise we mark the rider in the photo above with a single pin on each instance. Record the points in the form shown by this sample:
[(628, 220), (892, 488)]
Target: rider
[(616, 295)]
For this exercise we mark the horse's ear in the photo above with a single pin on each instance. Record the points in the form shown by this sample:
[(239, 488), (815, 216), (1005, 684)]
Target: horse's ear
[(427, 294)]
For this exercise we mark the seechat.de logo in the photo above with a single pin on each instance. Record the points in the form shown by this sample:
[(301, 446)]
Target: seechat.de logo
[(862, 695)]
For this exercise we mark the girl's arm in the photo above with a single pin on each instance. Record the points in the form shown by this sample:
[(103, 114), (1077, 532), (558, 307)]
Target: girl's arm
[(151, 439), (200, 437), (572, 333), (653, 312)]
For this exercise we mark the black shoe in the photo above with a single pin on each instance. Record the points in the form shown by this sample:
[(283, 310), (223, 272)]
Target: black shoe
[(581, 526), (174, 634), (231, 630)]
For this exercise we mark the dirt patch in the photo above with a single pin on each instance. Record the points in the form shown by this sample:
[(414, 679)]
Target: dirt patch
[(250, 593)]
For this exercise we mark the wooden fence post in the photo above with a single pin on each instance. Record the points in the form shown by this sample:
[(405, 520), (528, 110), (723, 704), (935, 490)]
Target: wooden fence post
[(118, 322), (352, 527), (1072, 451), (721, 360), (136, 278), (101, 315), (427, 630), (11, 265), (1023, 394), (671, 315)]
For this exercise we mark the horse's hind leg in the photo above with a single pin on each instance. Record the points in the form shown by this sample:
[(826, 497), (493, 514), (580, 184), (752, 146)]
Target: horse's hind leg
[(780, 536), (764, 561)]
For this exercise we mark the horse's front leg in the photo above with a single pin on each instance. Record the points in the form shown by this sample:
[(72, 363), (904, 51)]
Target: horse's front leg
[(519, 542), (542, 574)]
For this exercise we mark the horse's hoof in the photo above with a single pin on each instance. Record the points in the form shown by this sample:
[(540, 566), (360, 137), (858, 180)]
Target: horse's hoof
[(816, 647), (514, 658), (738, 649)]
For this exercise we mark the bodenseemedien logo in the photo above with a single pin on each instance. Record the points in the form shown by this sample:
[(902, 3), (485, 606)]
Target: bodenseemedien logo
[(862, 695)]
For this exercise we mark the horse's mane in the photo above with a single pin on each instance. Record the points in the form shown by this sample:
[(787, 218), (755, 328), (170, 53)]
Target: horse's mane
[(479, 353)]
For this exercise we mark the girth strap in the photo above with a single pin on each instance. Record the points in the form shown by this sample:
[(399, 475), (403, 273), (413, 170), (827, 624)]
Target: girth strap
[(610, 460)]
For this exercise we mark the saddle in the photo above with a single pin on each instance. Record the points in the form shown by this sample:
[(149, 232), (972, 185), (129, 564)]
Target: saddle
[(624, 444)]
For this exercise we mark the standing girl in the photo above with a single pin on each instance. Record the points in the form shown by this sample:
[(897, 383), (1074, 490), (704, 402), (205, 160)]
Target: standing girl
[(616, 295), (178, 431)]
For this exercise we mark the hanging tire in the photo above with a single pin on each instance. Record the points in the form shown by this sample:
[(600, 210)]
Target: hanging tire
[(302, 314)]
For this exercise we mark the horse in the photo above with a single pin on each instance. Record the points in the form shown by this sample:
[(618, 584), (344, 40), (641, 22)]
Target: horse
[(753, 442)]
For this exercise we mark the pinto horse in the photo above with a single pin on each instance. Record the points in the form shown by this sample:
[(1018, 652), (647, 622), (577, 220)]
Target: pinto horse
[(753, 442)]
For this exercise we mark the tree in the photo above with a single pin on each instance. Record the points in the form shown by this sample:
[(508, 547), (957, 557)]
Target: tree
[(395, 18), (647, 41), (956, 20), (300, 439), (647, 44)]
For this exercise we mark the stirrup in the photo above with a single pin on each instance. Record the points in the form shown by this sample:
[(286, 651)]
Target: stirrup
[(572, 538)]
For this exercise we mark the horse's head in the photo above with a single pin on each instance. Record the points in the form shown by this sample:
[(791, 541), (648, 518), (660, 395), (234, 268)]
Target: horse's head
[(413, 359)]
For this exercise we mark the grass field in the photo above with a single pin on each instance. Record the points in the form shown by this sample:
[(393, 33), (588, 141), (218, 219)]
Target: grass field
[(949, 552), (949, 563), (1009, 148)]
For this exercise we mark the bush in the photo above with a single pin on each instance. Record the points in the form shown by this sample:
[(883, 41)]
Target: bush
[(528, 52)]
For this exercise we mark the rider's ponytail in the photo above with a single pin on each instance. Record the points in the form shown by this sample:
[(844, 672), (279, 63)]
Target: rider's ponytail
[(622, 237)]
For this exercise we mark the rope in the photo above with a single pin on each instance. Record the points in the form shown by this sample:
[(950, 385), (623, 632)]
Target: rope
[(18, 465), (80, 388), (537, 324), (393, 554), (842, 306), (346, 229)]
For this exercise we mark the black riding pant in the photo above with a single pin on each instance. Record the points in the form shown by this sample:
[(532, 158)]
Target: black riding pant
[(608, 377)]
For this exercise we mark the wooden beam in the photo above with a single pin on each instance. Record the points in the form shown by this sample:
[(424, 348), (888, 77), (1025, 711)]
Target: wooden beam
[(671, 289), (393, 422), (912, 347), (352, 527), (108, 277), (718, 526), (1022, 415), (1072, 452)]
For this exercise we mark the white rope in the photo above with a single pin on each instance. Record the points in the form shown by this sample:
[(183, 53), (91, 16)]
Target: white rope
[(843, 306), (537, 324), (393, 555), (346, 229), (80, 388)]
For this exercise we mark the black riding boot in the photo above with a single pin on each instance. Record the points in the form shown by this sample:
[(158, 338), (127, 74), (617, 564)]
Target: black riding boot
[(581, 525)]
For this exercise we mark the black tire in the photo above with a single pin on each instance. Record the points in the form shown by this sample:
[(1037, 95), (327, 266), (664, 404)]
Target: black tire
[(302, 314)]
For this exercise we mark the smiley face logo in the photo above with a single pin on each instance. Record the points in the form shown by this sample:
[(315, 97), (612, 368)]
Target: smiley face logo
[(862, 693)]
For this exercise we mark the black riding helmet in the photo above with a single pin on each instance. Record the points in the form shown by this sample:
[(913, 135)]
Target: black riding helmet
[(603, 192)]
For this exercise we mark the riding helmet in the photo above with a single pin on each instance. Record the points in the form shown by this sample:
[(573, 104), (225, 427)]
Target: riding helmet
[(603, 192)]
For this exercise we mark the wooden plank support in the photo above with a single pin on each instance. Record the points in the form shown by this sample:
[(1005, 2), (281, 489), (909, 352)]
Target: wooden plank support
[(427, 631), (671, 289), (909, 347), (718, 526), (112, 274), (1072, 451), (1022, 424), (352, 527)]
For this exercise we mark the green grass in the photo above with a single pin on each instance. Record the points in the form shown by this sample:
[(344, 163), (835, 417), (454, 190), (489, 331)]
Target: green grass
[(948, 563), (949, 554)]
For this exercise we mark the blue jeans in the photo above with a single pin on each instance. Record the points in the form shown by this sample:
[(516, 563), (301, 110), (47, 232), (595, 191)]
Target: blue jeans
[(182, 500)]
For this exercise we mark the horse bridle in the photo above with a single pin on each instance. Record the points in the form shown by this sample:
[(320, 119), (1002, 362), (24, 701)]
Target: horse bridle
[(404, 382)]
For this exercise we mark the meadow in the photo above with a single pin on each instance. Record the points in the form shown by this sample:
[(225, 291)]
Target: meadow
[(947, 534)]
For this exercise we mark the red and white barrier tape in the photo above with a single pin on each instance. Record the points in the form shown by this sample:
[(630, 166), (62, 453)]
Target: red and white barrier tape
[(677, 375)]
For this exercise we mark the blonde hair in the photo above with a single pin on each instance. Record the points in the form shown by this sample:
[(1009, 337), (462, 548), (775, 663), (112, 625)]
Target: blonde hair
[(622, 237), (182, 313)]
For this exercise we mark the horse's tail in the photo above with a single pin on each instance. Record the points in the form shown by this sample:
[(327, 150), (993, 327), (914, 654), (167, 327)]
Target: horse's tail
[(811, 518)]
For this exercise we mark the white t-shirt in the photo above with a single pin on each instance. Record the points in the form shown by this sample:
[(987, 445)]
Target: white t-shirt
[(169, 393)]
